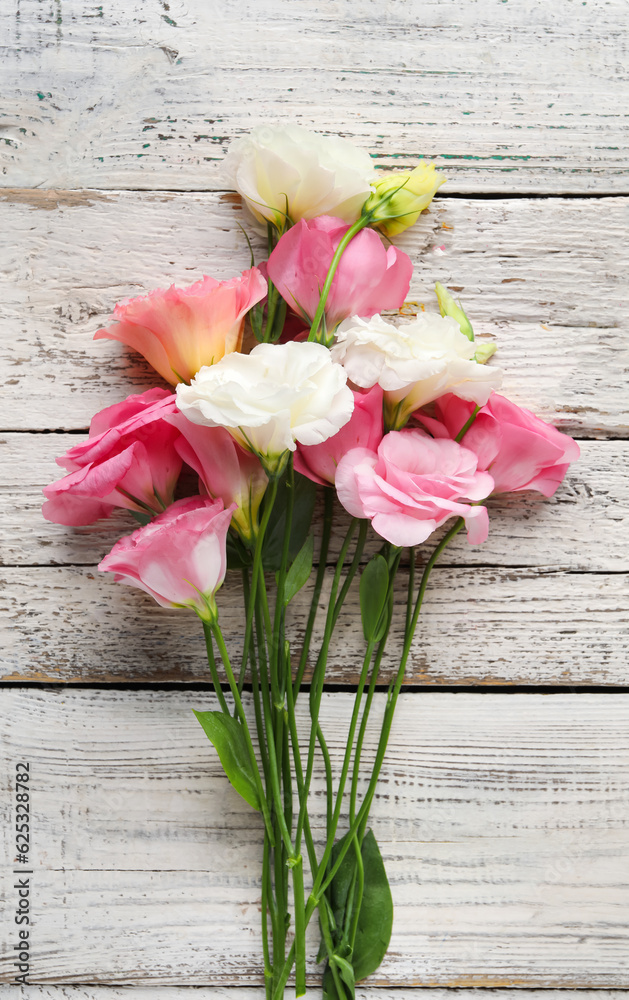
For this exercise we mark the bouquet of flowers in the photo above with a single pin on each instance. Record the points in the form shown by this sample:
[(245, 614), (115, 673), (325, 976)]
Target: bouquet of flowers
[(396, 419)]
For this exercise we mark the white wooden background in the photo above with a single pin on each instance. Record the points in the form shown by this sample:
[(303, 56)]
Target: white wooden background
[(502, 811)]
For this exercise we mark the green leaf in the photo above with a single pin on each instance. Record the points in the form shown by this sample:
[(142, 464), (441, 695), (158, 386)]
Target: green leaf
[(374, 584), (321, 954), (375, 921), (141, 517), (228, 738), (300, 570), (305, 495), (346, 971), (279, 321), (329, 986), (237, 555)]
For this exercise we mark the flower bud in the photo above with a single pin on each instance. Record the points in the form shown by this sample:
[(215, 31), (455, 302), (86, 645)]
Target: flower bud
[(399, 197), (483, 353), (448, 307)]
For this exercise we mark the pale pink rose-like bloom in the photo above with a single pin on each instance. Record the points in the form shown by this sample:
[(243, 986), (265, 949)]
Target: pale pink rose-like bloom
[(520, 451), (364, 429), (368, 279), (129, 460), (412, 485), (179, 330), (226, 470), (179, 558)]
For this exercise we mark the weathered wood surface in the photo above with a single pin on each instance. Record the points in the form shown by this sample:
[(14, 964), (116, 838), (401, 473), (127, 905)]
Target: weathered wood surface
[(502, 817), (545, 278), (526, 96), (583, 527), (485, 626), (257, 993), (561, 620), (502, 822)]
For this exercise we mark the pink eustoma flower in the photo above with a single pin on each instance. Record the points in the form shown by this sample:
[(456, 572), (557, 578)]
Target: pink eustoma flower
[(129, 460), (179, 558), (226, 471), (412, 485), (368, 279), (178, 330), (520, 451), (364, 429)]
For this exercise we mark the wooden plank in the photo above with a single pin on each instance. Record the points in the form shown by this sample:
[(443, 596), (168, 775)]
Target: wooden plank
[(519, 267), (583, 527), (501, 820), (518, 97), (257, 993), (478, 626)]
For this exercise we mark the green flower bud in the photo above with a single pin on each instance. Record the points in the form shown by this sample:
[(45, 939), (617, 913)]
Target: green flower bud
[(484, 352), (448, 307), (400, 196)]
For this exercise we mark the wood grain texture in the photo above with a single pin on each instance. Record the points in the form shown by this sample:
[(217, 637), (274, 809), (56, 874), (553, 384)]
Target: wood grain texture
[(583, 527), (502, 817), (478, 626), (257, 993), (521, 97), (545, 278), (501, 820)]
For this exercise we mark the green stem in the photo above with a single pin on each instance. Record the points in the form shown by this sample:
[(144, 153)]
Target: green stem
[(338, 253), (329, 945), (207, 631), (220, 642), (299, 776), (269, 501), (271, 307), (358, 886), (264, 605), (281, 871), (394, 692), (328, 500), (279, 931), (255, 683), (374, 678), (324, 879), (347, 757), (267, 906), (411, 588), (300, 928), (468, 423), (279, 987), (269, 717), (276, 908), (287, 777), (257, 708), (351, 573), (316, 687), (329, 795), (277, 648)]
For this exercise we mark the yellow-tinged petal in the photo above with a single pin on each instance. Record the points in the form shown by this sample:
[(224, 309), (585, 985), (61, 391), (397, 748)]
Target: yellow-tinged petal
[(448, 307), (400, 196)]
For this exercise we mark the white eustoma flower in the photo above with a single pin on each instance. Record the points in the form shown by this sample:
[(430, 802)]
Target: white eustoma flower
[(271, 398), (291, 170), (414, 363)]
